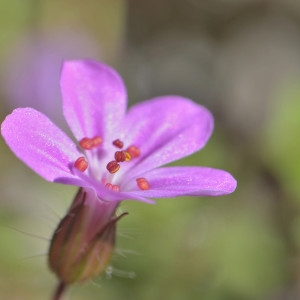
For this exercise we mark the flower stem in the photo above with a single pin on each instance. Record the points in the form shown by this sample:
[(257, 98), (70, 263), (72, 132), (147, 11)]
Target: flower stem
[(59, 291)]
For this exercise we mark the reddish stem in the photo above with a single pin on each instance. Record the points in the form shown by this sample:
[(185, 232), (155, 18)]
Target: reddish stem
[(59, 291)]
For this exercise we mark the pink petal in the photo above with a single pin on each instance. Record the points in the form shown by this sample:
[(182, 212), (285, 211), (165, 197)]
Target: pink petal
[(94, 98), (40, 144), (107, 195), (185, 181), (166, 129)]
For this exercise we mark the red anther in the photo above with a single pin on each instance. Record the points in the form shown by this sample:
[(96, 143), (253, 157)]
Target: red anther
[(133, 151), (118, 143), (112, 167), (96, 141), (143, 184), (122, 156), (81, 164), (86, 143), (116, 188), (109, 186)]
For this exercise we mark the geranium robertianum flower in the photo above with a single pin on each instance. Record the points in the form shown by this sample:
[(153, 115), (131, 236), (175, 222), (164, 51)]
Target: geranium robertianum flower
[(152, 133), (118, 155)]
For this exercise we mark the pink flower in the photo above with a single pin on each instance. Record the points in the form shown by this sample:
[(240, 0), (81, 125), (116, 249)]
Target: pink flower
[(151, 134), (117, 156)]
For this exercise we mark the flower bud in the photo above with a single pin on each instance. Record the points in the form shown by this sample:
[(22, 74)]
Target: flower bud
[(83, 243)]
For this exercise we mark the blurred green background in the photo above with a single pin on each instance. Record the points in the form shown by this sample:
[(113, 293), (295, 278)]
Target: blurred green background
[(241, 59)]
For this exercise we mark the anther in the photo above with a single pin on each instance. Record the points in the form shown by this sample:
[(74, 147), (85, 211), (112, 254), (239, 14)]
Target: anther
[(118, 143), (112, 187), (143, 184), (112, 167), (116, 188), (133, 151), (121, 156), (97, 141), (87, 143), (81, 164), (109, 186)]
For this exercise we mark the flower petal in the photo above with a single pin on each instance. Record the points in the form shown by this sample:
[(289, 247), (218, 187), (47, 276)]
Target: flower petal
[(166, 129), (94, 98), (185, 181), (108, 195), (40, 144)]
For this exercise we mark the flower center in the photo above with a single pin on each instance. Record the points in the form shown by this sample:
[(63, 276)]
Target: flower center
[(120, 156)]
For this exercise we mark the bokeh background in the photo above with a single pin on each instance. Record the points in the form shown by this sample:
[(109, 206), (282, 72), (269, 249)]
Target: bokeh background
[(241, 59)]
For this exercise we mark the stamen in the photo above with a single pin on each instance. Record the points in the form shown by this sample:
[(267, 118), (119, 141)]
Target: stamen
[(116, 188), (97, 141), (112, 187), (81, 164), (121, 156), (133, 151), (143, 184), (87, 143), (113, 167), (118, 143), (109, 186)]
